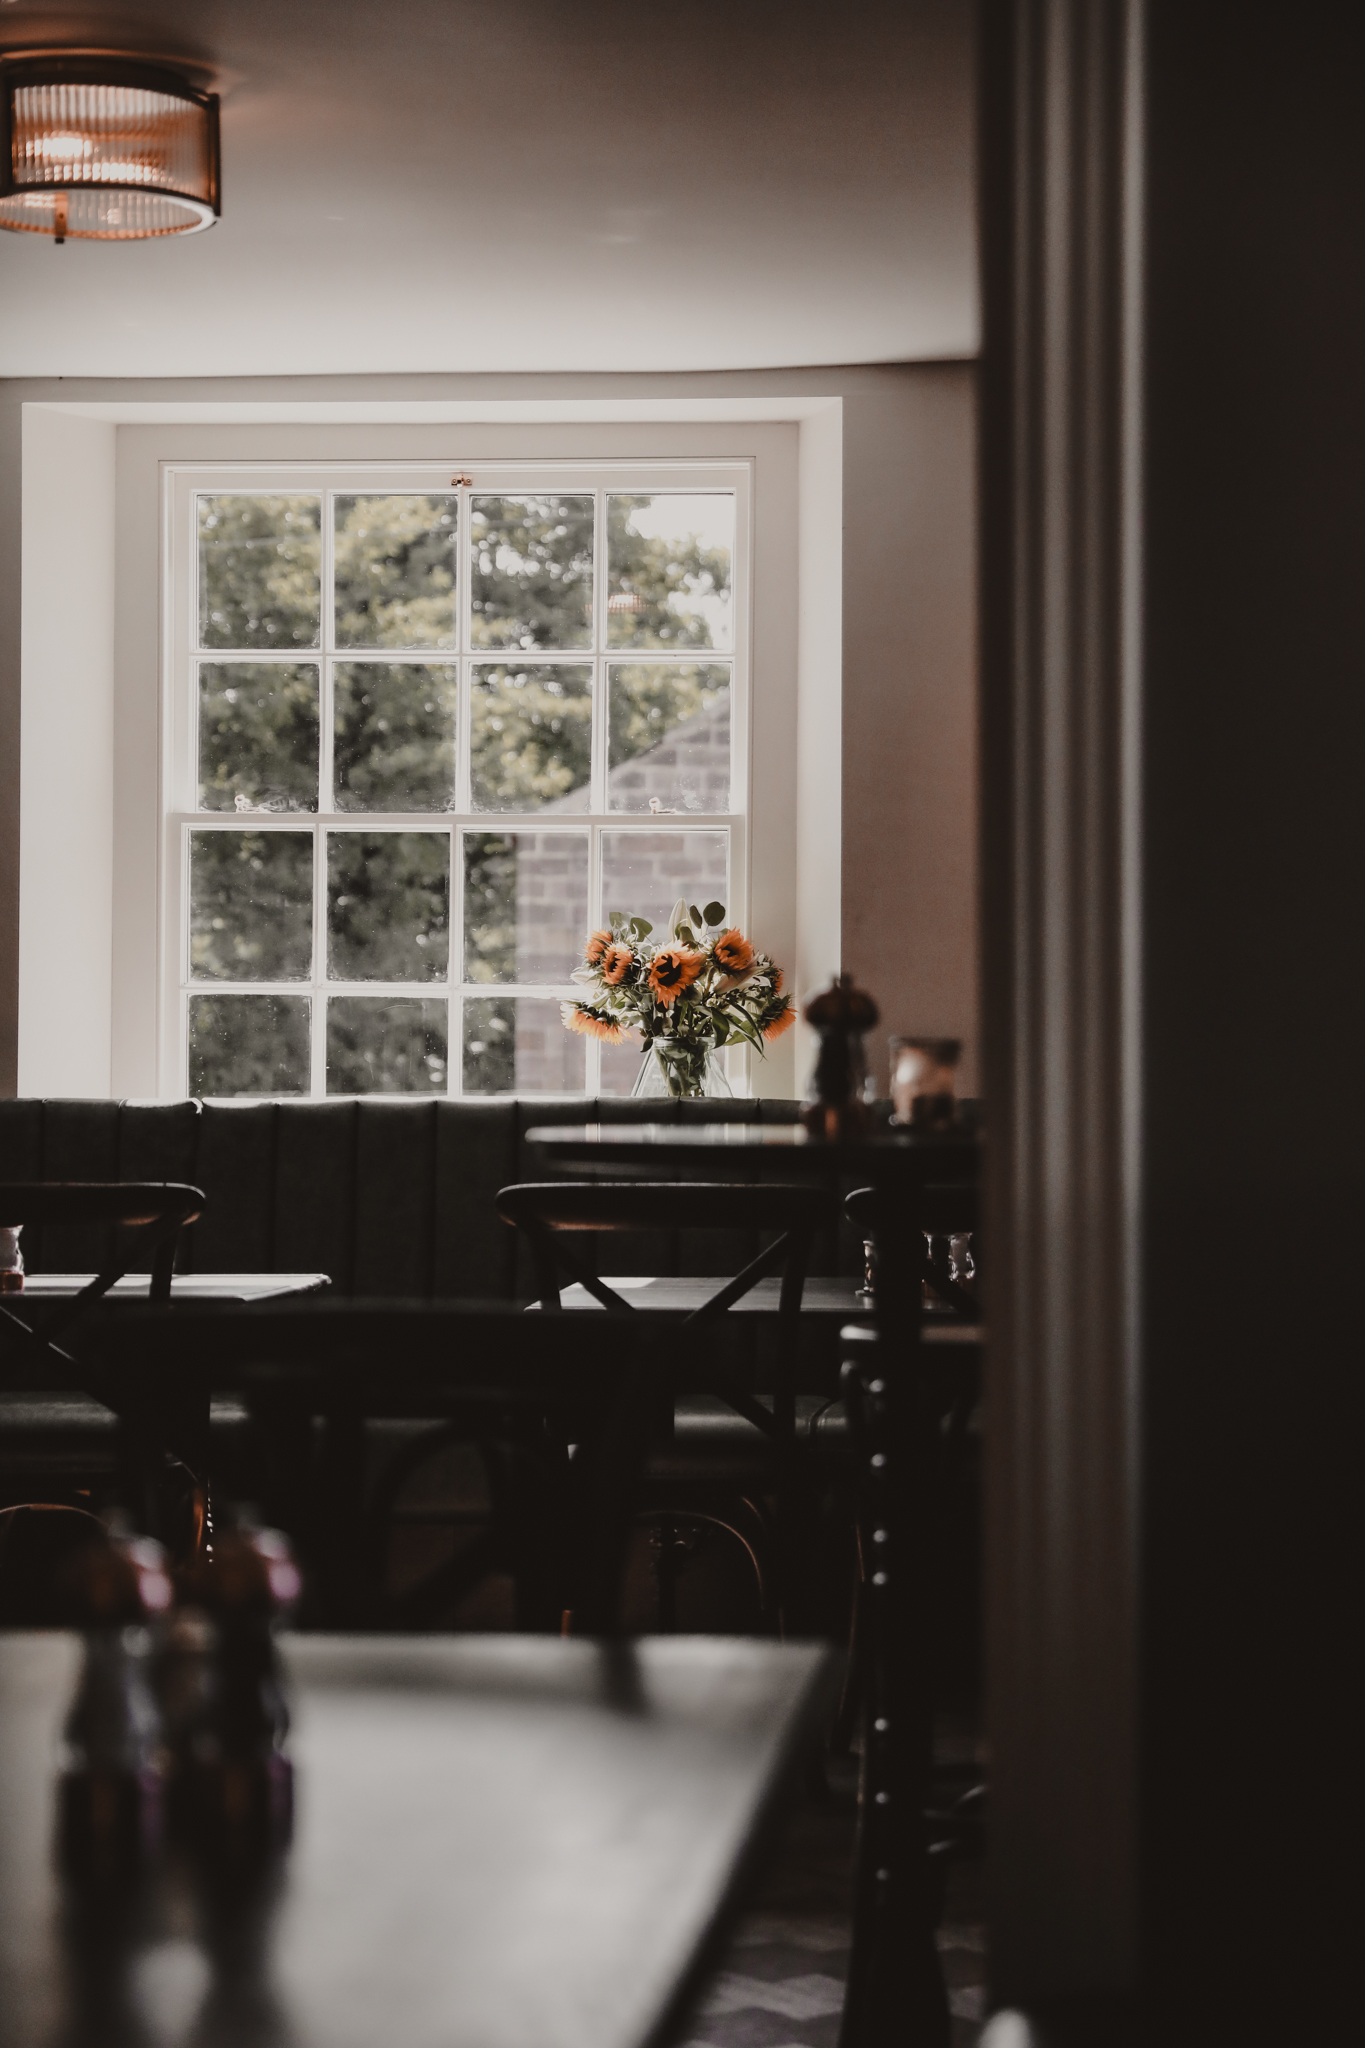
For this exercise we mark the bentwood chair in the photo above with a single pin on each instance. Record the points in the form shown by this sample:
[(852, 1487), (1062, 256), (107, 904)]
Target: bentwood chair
[(312, 1374), (563, 1222)]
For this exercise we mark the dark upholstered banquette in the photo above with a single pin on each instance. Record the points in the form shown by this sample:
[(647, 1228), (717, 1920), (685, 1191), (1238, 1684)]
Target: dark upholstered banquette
[(388, 1197)]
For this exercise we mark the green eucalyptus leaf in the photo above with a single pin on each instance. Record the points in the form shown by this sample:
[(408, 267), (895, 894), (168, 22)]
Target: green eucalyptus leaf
[(714, 913), (641, 927), (694, 914)]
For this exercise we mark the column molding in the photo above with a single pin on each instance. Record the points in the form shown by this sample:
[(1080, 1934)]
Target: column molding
[(1062, 154)]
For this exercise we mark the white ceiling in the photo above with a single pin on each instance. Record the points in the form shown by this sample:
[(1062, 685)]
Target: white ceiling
[(435, 185)]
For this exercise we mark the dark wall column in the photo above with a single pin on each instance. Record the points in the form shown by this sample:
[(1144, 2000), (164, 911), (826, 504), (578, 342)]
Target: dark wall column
[(1062, 147), (1174, 701), (1254, 1011)]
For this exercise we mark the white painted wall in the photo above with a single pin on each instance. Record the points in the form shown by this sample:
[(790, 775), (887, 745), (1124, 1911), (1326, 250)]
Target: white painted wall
[(880, 743), (66, 754)]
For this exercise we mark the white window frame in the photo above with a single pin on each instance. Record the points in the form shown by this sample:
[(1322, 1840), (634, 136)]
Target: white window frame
[(182, 482)]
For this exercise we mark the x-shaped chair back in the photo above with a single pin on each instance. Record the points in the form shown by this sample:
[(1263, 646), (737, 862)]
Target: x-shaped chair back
[(551, 1214), (152, 1212)]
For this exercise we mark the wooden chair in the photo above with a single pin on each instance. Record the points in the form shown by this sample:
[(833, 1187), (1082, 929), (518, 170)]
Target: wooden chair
[(151, 1216), (62, 1447), (555, 1218), (312, 1373)]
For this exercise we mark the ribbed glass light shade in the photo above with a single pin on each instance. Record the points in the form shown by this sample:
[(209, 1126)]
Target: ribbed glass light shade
[(106, 160)]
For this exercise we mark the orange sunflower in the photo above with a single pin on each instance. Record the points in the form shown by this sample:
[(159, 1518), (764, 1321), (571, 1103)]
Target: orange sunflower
[(597, 945), (617, 962), (674, 969), (783, 1021), (591, 1023), (733, 952)]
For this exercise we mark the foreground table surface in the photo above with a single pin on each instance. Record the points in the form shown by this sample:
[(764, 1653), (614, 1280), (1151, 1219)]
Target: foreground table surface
[(207, 1287), (501, 1842)]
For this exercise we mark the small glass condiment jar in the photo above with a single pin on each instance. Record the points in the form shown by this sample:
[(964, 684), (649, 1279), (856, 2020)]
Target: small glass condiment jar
[(11, 1260)]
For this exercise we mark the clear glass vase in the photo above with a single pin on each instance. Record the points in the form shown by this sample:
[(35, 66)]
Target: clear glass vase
[(681, 1069)]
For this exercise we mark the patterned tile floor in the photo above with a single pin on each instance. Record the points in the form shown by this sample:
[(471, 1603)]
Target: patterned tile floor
[(780, 1983)]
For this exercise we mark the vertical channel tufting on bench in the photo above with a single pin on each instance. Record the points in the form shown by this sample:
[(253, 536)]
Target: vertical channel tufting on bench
[(236, 1170), (315, 1162), (387, 1196), (473, 1250), (394, 1184), (160, 1141), (80, 1142), (21, 1158)]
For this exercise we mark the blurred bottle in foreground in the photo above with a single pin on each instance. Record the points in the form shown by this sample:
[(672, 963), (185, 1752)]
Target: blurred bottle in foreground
[(114, 1762), (225, 1699)]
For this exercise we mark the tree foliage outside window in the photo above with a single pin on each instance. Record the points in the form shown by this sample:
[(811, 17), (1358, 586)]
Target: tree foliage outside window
[(258, 736), (530, 737), (397, 557), (260, 571), (531, 574)]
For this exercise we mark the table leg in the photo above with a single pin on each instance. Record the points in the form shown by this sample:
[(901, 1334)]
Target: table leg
[(896, 1996)]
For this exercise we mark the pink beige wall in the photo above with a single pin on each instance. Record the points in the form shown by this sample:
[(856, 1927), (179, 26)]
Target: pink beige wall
[(909, 756)]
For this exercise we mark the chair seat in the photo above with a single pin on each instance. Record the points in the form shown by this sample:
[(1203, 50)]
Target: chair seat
[(69, 1433), (54, 1433)]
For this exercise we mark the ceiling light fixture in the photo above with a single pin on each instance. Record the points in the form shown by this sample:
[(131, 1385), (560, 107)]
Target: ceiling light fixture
[(100, 147)]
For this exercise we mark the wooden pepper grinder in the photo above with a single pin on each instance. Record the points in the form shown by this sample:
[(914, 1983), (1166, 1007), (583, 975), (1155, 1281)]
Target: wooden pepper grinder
[(835, 1108)]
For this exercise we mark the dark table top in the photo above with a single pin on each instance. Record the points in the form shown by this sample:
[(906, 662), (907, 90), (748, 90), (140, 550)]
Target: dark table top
[(216, 1288), (501, 1842), (838, 1300), (699, 1144)]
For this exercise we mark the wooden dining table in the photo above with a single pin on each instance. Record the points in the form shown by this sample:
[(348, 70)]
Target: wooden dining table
[(896, 1995), (499, 1842)]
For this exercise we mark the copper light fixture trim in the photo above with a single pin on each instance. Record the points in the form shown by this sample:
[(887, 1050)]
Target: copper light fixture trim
[(99, 146)]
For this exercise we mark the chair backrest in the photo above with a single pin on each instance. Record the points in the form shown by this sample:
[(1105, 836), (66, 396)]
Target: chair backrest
[(388, 1196), (148, 1215), (552, 1213)]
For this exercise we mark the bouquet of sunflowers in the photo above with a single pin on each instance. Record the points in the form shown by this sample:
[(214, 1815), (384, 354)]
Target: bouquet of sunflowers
[(687, 995)]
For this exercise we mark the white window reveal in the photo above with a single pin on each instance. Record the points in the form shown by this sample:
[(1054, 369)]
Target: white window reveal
[(426, 731)]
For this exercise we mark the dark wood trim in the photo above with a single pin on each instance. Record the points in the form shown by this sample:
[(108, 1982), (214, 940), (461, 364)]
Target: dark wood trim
[(1061, 118)]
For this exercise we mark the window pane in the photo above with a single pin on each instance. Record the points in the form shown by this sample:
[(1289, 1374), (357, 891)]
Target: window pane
[(519, 1043), (259, 571), (531, 573), (388, 906), (525, 905), (644, 873), (668, 737), (386, 1045), (249, 1045), (620, 1066), (668, 581), (251, 906), (258, 736), (394, 742), (530, 737), (396, 559)]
